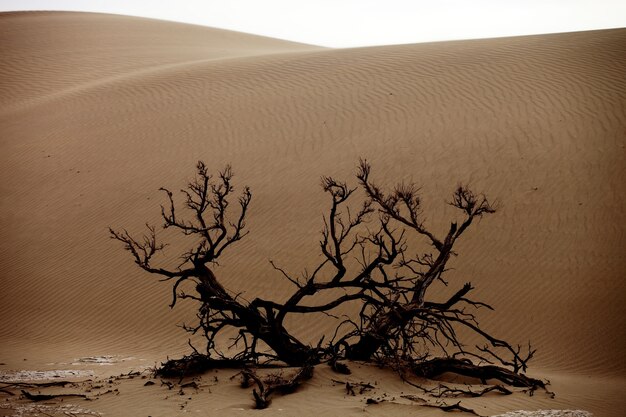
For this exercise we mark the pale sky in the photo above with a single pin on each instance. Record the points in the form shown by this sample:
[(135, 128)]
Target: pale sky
[(350, 23)]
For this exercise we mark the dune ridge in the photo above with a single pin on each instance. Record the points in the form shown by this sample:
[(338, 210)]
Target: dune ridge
[(99, 111), (45, 51)]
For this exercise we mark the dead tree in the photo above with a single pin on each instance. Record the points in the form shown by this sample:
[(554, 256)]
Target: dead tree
[(413, 316), (393, 320), (401, 328), (212, 231)]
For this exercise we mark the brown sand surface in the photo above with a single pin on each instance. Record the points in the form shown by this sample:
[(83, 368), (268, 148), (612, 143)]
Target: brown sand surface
[(99, 111)]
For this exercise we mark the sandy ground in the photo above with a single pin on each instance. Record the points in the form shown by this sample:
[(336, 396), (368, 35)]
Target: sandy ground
[(99, 111)]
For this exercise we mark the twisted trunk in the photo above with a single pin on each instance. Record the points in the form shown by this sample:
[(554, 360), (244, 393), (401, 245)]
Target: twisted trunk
[(286, 347)]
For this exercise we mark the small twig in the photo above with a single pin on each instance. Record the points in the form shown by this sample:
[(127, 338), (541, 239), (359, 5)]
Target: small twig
[(451, 407), (363, 386), (457, 392)]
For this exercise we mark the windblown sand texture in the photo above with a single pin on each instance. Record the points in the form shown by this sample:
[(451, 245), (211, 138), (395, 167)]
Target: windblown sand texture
[(99, 111)]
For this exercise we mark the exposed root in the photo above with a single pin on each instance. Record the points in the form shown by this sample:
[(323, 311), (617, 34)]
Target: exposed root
[(444, 391), (451, 407), (195, 364), (274, 384), (339, 367), (362, 387), (435, 367)]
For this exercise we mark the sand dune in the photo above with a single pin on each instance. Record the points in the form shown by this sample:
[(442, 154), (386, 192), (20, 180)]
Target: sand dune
[(51, 52), (98, 111)]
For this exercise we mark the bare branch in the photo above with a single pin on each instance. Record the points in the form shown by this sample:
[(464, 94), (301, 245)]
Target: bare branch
[(364, 261)]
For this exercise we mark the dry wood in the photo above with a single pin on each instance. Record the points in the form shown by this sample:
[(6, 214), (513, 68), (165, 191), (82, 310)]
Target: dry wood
[(274, 384), (45, 397), (396, 322)]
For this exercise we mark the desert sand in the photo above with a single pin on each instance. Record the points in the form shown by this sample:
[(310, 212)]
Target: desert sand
[(99, 111)]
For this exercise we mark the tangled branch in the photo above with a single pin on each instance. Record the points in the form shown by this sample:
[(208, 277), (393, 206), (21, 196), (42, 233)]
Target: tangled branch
[(365, 262)]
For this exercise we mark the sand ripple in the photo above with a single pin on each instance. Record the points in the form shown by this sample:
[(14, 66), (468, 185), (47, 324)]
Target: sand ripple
[(97, 112), (547, 413)]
